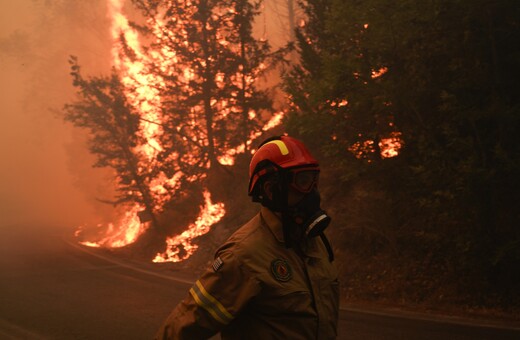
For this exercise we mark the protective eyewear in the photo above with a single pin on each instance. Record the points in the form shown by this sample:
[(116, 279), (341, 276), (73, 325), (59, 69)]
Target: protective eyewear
[(304, 180)]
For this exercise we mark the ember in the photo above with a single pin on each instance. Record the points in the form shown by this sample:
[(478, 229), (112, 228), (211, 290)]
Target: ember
[(391, 146)]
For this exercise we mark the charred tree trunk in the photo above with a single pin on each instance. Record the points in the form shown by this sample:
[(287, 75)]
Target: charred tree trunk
[(245, 70), (148, 201), (207, 85), (133, 166)]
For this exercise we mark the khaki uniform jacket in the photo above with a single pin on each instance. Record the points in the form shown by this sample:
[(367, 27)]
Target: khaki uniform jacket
[(259, 289)]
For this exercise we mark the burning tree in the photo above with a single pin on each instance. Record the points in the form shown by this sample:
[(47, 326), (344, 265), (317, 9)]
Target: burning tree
[(209, 61), (450, 201), (337, 95), (104, 110), (178, 107)]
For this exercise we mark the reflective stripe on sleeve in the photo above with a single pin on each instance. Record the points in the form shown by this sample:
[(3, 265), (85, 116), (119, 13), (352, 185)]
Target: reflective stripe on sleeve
[(210, 304)]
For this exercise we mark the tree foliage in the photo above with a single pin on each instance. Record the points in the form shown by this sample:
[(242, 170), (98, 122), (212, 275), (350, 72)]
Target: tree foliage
[(450, 91), (176, 108), (210, 99), (113, 124)]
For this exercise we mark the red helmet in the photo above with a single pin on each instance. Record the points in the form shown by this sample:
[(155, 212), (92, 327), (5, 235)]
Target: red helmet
[(283, 152)]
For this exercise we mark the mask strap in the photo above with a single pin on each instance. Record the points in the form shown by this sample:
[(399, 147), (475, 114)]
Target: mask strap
[(284, 205), (327, 245)]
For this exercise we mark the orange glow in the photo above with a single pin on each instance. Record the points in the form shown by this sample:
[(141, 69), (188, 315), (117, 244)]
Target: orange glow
[(180, 247), (229, 157), (379, 73), (142, 90), (391, 146), (362, 149), (143, 95), (127, 231)]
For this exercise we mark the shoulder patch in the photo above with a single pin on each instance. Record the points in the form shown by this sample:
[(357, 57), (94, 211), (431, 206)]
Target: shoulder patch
[(281, 270), (217, 264)]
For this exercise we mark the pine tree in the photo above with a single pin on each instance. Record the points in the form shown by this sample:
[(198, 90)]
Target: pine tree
[(194, 102), (452, 68), (336, 92), (102, 108), (209, 62)]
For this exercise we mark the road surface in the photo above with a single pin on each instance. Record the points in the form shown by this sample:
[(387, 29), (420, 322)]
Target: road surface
[(52, 289)]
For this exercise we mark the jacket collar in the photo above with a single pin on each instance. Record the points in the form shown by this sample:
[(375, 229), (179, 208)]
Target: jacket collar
[(274, 224)]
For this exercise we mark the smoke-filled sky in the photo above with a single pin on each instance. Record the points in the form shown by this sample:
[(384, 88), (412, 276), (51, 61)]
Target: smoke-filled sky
[(45, 174)]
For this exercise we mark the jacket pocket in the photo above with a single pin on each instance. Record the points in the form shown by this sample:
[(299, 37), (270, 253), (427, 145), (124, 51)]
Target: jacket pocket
[(295, 301), (329, 300)]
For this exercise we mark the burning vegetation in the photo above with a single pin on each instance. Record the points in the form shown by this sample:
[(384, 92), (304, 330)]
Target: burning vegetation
[(173, 109), (418, 143), (180, 247)]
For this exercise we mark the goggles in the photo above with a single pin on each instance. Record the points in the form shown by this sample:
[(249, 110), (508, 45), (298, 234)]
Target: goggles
[(304, 180)]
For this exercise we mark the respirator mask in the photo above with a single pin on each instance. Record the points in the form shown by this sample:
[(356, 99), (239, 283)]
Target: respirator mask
[(306, 216)]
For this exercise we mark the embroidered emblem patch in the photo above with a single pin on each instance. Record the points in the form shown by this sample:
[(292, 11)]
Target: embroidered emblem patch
[(217, 264), (281, 270)]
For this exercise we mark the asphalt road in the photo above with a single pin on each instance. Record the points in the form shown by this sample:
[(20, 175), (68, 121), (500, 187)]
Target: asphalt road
[(51, 289)]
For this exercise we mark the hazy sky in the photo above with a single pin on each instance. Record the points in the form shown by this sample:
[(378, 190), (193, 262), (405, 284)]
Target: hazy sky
[(45, 170)]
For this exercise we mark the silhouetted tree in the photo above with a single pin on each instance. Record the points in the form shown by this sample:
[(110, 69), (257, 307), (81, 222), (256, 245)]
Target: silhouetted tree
[(113, 125), (202, 65)]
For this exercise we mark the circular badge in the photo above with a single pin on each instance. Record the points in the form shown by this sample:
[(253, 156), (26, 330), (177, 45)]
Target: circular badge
[(281, 270)]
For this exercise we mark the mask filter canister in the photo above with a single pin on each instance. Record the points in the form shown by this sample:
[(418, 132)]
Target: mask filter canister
[(309, 216), (318, 223)]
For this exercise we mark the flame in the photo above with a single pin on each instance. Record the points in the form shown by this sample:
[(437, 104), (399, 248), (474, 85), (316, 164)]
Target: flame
[(229, 157), (391, 146), (379, 73), (362, 149), (179, 247), (142, 92), (128, 229), (126, 232)]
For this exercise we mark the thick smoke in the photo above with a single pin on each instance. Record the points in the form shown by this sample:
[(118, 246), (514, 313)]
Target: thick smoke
[(46, 176)]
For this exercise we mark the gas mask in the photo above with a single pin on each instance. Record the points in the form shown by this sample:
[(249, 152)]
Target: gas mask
[(305, 218), (307, 215)]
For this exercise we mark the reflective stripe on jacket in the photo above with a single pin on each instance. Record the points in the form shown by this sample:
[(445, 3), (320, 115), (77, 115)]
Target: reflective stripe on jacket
[(259, 289)]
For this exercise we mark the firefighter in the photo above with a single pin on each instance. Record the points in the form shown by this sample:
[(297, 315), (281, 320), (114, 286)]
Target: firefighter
[(274, 278)]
